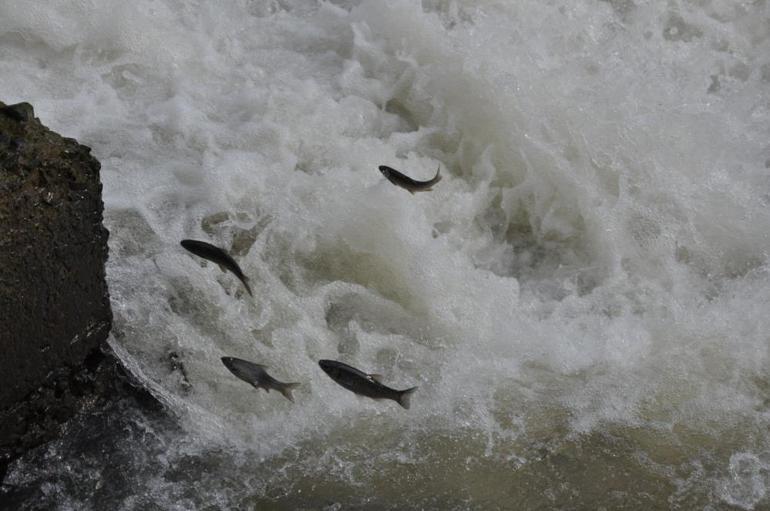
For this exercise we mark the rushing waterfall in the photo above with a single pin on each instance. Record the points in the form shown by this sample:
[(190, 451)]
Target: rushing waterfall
[(583, 300)]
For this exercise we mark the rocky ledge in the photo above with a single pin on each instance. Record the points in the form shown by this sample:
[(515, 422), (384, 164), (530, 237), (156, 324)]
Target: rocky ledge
[(54, 304)]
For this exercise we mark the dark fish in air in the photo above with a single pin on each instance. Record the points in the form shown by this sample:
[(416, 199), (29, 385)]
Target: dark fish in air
[(407, 183), (219, 256), (359, 382), (256, 375)]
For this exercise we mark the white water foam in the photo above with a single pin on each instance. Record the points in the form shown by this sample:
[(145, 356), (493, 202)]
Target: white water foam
[(593, 264)]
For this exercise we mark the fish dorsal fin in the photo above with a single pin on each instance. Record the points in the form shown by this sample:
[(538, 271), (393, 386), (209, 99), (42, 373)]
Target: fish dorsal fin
[(376, 377)]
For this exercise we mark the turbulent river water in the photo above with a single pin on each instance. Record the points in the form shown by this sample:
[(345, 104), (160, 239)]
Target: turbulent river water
[(582, 300)]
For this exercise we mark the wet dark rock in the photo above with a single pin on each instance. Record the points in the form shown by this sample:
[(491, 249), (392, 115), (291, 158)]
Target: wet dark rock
[(19, 112), (54, 305)]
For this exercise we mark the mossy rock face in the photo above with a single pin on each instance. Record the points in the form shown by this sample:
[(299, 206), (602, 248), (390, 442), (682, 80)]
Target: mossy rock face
[(54, 304)]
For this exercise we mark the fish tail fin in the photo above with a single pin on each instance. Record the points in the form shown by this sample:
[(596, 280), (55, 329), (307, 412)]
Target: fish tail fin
[(404, 395), (437, 178), (245, 281), (286, 389), (430, 184)]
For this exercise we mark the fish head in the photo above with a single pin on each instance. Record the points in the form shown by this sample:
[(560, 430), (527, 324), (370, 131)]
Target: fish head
[(331, 367), (243, 369), (385, 171), (229, 363)]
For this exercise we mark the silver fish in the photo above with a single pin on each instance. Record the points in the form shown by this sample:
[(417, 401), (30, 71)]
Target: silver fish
[(219, 256), (256, 375), (359, 382), (407, 183)]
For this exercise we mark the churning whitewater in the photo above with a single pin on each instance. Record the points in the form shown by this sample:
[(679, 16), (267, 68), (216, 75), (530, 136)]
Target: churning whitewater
[(582, 300)]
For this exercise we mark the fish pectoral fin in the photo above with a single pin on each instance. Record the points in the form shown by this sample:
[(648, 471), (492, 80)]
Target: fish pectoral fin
[(376, 377), (221, 267)]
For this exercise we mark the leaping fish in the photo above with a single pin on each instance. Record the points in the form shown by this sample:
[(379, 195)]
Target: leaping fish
[(359, 382), (407, 183), (256, 375), (219, 256)]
